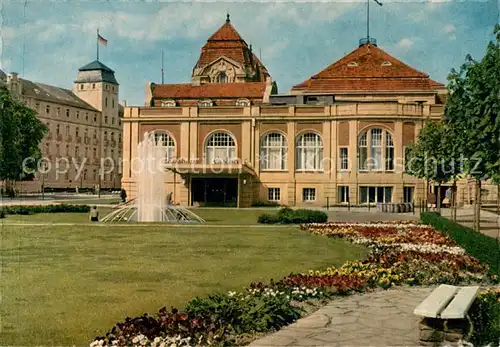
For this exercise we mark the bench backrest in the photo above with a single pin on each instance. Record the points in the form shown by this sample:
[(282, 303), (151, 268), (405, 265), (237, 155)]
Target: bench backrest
[(447, 302)]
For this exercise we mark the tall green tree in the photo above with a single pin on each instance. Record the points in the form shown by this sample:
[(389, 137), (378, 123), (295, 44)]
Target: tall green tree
[(431, 158), (20, 135), (472, 111)]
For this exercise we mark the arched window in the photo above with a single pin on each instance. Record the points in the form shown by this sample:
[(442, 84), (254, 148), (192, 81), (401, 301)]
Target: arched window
[(222, 77), (220, 148), (163, 139), (273, 152), (309, 152), (376, 150)]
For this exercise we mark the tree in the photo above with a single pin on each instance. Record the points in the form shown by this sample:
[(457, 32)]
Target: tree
[(20, 135), (432, 158), (472, 110)]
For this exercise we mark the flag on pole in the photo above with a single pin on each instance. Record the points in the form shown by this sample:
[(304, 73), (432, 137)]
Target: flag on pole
[(378, 2), (102, 40)]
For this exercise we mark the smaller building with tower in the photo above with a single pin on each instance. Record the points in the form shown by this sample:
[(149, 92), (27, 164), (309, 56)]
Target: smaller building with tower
[(83, 147)]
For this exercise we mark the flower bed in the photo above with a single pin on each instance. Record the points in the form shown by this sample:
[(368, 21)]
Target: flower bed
[(401, 253)]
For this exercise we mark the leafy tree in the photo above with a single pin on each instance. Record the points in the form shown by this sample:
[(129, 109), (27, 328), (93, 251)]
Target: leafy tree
[(432, 158), (20, 135), (472, 110)]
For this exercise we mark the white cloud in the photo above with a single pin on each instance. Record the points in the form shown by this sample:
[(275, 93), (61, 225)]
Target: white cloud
[(449, 28), (272, 51), (405, 43)]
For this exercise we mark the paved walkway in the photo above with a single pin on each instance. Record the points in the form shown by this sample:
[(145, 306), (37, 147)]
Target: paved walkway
[(381, 318)]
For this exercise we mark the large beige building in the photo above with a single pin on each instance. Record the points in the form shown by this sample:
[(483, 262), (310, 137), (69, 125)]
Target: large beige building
[(337, 137), (83, 147)]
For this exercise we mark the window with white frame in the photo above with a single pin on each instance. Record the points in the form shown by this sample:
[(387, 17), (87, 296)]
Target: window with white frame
[(242, 102), (343, 194), (205, 103), (389, 152), (309, 152), (220, 148), (408, 194), (375, 194), (273, 152), (164, 140), (273, 194), (308, 194), (375, 150), (344, 158)]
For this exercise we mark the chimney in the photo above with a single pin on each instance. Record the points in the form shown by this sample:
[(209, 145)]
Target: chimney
[(124, 103)]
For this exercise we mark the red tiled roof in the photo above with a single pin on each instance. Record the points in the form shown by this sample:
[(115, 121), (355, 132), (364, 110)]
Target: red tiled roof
[(226, 33), (367, 68), (435, 84), (362, 84), (228, 43), (209, 90)]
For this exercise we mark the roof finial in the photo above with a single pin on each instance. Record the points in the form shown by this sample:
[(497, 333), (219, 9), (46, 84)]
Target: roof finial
[(227, 17)]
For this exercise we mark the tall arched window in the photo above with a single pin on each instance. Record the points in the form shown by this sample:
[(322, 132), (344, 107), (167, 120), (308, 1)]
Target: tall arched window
[(309, 152), (222, 78), (163, 139), (273, 152), (376, 150), (220, 148)]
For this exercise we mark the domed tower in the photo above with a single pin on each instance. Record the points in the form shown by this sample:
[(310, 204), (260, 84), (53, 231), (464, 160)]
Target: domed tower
[(226, 58)]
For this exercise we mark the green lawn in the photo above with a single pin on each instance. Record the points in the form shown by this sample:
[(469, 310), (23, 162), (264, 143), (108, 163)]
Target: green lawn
[(91, 201), (210, 215), (63, 285)]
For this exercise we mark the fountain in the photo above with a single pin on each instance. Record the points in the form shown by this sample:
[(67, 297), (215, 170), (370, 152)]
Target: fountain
[(152, 203)]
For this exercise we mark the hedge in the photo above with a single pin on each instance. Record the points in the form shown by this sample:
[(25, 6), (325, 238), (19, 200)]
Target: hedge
[(290, 216), (486, 249), (32, 209)]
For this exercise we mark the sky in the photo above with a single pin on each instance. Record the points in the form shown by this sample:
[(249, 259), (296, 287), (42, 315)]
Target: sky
[(47, 41)]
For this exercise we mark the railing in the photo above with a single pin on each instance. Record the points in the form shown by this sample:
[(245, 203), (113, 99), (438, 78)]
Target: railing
[(382, 108), (404, 207), (273, 110), (160, 111), (220, 111)]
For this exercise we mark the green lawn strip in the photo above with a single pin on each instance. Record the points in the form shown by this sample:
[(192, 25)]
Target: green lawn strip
[(64, 285), (90, 201), (486, 249)]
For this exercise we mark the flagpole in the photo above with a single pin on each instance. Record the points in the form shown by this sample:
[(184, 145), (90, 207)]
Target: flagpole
[(97, 44), (368, 20), (162, 67)]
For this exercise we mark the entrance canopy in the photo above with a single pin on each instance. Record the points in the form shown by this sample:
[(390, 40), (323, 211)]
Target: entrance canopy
[(210, 169)]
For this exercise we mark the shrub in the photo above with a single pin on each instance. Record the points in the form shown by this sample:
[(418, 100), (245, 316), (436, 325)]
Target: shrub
[(264, 204), (2, 213), (267, 219), (486, 249), (485, 316), (289, 216), (32, 209)]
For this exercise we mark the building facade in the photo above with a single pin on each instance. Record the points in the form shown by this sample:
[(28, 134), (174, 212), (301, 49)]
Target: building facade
[(83, 147), (339, 137)]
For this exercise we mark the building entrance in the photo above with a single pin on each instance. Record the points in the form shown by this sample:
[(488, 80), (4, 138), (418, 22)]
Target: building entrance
[(221, 192)]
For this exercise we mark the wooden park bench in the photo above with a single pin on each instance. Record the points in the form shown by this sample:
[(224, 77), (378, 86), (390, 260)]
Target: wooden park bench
[(445, 315)]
